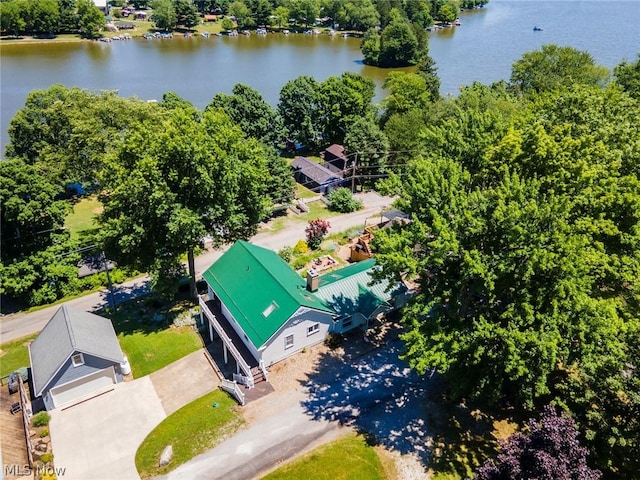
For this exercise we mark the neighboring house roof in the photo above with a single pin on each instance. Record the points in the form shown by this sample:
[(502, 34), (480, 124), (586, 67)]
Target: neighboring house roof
[(314, 171), (100, 3), (259, 288), (337, 151), (352, 289), (69, 331)]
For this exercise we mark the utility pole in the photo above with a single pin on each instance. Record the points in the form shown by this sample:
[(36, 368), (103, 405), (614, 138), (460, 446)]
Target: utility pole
[(106, 270), (353, 174)]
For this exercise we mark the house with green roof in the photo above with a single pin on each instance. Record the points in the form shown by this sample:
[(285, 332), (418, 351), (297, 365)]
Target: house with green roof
[(265, 312)]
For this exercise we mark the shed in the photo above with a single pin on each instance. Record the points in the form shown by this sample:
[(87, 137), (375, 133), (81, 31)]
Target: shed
[(76, 355)]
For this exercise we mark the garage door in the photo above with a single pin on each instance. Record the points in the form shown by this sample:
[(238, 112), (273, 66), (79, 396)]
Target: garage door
[(82, 387)]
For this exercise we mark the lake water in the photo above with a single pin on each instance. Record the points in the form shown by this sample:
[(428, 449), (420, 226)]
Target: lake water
[(483, 48)]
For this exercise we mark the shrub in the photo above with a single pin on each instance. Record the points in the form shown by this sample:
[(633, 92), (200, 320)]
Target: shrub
[(341, 200), (41, 419), (333, 340), (301, 247), (316, 231), (43, 433), (46, 458), (286, 253)]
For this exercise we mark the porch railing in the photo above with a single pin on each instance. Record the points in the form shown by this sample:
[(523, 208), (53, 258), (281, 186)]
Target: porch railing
[(233, 389), (227, 341)]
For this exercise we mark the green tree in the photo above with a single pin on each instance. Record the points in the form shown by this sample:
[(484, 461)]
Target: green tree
[(186, 13), (447, 13), (361, 15), (299, 109), (247, 109), (242, 14), (398, 45), (164, 15), (44, 16), (369, 145), (341, 100), (281, 16), (304, 12), (555, 67), (342, 200), (11, 18), (227, 24), (406, 92), (178, 181), (370, 47), (90, 19), (35, 266), (627, 76)]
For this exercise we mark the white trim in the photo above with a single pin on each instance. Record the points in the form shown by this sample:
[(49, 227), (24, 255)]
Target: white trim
[(298, 311), (287, 346), (77, 359), (313, 329)]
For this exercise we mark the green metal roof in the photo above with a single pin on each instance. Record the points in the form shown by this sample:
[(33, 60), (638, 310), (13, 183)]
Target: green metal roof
[(350, 289), (259, 288)]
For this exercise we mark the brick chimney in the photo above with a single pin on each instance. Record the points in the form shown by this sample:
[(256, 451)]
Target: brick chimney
[(313, 279)]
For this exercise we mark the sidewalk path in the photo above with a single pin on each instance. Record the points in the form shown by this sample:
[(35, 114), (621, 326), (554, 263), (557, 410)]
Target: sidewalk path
[(20, 325)]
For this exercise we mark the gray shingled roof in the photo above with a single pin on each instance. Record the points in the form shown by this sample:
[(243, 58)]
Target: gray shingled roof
[(313, 170), (69, 331)]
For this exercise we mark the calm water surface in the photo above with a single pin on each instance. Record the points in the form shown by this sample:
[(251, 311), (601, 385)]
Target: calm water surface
[(482, 49)]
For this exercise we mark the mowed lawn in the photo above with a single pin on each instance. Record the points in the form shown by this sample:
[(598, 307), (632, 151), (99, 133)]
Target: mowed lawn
[(192, 430), (148, 352), (148, 337), (82, 218), (14, 355), (349, 458)]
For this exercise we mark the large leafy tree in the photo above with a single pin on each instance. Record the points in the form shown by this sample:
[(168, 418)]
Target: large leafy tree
[(90, 19), (164, 14), (524, 243), (555, 67), (44, 16), (12, 17), (247, 109), (549, 448), (627, 76), (35, 264), (299, 109), (343, 99), (172, 184)]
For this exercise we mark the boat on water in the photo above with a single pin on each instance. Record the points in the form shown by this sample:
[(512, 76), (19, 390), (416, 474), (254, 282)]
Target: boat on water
[(537, 29)]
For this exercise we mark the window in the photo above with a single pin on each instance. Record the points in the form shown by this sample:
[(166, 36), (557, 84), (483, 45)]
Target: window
[(346, 323), (269, 310), (288, 341), (77, 360), (315, 328)]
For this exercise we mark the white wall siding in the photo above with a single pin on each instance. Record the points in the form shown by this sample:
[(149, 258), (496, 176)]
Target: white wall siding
[(298, 326), (239, 331)]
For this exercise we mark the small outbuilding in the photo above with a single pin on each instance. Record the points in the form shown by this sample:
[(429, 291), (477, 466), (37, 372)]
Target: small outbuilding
[(75, 356)]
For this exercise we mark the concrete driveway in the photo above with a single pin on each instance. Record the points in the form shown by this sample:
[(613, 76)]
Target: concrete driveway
[(98, 439)]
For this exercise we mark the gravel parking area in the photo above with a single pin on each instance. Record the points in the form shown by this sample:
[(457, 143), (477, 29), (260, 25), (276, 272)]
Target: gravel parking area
[(363, 386)]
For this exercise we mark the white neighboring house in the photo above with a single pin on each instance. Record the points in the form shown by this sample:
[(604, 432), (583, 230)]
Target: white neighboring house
[(75, 356), (265, 312)]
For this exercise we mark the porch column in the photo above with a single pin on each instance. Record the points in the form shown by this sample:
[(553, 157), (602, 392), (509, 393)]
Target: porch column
[(224, 346), (210, 331)]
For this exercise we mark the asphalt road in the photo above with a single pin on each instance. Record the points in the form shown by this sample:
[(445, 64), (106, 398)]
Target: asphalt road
[(20, 325)]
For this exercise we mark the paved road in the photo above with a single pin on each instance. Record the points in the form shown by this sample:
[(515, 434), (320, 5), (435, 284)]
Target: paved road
[(20, 325)]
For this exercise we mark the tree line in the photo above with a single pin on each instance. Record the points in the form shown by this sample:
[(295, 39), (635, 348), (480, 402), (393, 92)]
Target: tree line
[(524, 196), (50, 17)]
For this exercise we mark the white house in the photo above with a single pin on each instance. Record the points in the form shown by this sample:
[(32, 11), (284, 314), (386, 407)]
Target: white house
[(265, 312)]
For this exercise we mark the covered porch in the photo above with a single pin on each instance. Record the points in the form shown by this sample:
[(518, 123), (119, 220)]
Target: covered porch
[(248, 370)]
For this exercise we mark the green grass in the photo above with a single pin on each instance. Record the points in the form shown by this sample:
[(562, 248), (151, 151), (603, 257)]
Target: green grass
[(303, 192), (349, 458), (81, 220), (147, 337), (14, 355), (193, 429)]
